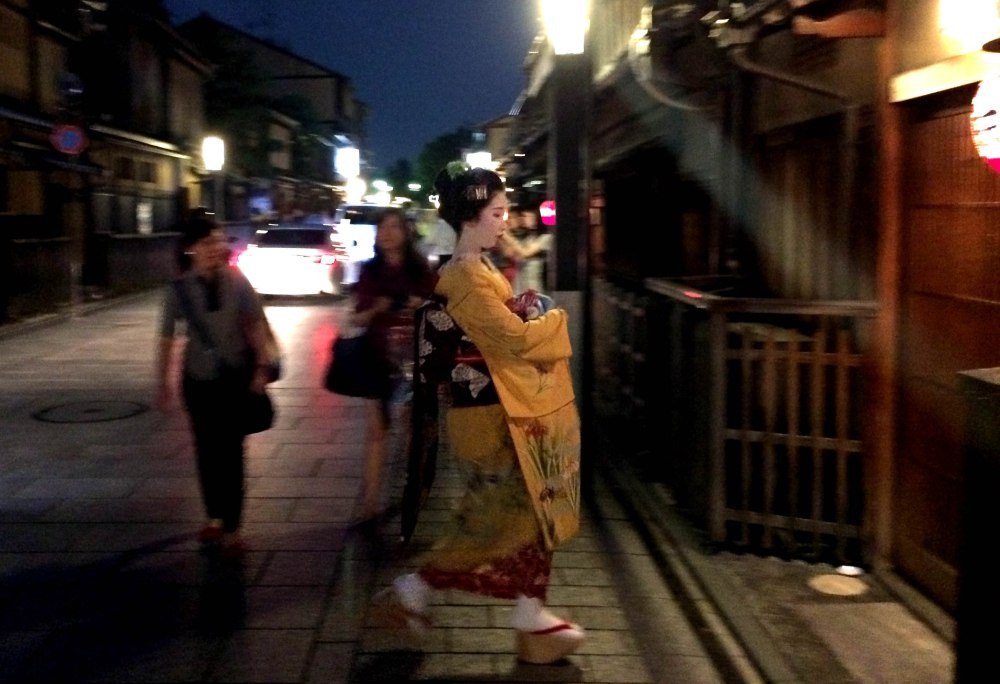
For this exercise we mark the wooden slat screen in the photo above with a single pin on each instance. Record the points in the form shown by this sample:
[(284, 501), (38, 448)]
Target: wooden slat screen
[(794, 486), (777, 465)]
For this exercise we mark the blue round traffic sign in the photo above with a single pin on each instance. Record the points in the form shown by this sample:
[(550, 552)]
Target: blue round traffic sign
[(68, 139)]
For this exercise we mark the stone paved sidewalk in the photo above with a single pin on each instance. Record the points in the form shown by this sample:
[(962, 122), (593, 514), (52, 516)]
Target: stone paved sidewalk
[(599, 578), (101, 578)]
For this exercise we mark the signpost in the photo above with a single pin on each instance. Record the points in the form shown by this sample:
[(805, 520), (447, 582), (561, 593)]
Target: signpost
[(68, 139)]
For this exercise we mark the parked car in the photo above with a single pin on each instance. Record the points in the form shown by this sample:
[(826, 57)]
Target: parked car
[(354, 233), (292, 260)]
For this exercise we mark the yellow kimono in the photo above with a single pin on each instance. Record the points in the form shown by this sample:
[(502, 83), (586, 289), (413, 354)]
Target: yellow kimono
[(523, 455)]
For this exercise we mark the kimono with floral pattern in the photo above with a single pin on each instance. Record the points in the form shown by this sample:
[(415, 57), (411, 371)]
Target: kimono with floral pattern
[(528, 367)]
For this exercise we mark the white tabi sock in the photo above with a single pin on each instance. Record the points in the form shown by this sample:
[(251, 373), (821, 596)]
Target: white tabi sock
[(413, 592), (531, 615)]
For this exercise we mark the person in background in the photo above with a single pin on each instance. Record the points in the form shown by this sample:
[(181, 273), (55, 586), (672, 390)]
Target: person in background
[(439, 245), (391, 286), (530, 247), (514, 429), (216, 371)]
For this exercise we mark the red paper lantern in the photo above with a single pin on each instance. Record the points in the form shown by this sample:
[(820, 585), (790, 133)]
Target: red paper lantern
[(985, 120)]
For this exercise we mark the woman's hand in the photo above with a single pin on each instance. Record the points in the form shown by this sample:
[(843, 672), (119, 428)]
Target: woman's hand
[(362, 319)]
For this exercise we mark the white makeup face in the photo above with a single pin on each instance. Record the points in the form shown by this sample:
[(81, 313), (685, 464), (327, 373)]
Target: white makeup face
[(491, 222)]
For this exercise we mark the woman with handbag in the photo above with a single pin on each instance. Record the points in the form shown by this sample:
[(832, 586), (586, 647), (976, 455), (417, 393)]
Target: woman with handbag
[(516, 434), (224, 373), (391, 286)]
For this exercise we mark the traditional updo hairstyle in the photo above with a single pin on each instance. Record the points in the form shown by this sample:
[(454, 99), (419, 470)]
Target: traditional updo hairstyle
[(463, 192)]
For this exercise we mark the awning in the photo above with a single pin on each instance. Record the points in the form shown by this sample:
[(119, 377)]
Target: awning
[(32, 155)]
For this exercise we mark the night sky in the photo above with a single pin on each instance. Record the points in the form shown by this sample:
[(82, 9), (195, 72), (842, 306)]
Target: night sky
[(424, 67)]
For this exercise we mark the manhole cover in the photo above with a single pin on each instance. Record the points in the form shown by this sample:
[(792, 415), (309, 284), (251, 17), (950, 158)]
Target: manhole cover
[(90, 411), (838, 585)]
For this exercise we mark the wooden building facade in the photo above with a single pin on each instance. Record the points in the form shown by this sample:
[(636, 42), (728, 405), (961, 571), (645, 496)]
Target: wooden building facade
[(100, 120), (794, 250)]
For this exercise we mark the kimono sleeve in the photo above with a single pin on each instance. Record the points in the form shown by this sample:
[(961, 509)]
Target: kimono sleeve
[(493, 327)]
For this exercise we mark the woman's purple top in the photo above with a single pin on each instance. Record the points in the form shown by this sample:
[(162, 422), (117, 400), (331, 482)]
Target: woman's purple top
[(398, 283)]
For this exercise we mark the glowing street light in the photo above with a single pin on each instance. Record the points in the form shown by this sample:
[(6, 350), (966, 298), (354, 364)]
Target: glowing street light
[(213, 157), (213, 153), (347, 161), (355, 189), (968, 24), (480, 160), (413, 187), (566, 23)]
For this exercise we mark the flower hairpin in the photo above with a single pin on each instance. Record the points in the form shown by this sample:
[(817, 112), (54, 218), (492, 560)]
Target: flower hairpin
[(476, 193), (456, 169)]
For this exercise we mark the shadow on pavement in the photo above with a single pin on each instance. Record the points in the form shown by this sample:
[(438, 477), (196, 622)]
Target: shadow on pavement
[(401, 666), (120, 618), (389, 666)]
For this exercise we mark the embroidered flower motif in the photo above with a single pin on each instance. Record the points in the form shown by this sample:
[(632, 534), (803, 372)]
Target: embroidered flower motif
[(426, 348), (553, 463), (440, 320), (546, 380), (536, 430), (465, 373)]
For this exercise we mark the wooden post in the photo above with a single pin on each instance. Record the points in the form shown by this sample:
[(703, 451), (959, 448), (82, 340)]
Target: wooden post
[(883, 370), (716, 424), (978, 591)]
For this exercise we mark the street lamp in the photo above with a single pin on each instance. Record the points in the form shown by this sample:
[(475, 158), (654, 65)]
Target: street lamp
[(355, 189), (347, 162), (566, 23), (213, 152), (480, 160), (213, 157)]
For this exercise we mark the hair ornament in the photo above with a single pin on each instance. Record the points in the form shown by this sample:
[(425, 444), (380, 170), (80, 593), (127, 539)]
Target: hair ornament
[(457, 168), (477, 193)]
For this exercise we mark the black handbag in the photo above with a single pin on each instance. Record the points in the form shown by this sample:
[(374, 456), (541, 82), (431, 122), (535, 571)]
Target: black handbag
[(258, 412), (353, 370)]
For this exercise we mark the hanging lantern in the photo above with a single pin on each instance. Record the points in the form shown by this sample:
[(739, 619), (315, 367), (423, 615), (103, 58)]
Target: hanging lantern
[(985, 121), (547, 212)]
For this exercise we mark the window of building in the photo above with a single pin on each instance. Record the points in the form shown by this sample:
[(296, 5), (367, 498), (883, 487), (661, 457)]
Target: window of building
[(147, 172), (124, 168)]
